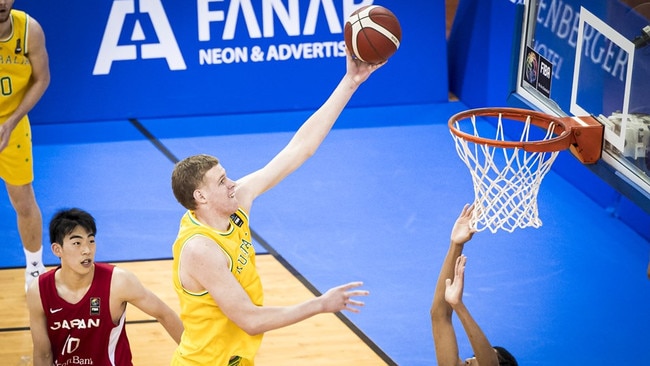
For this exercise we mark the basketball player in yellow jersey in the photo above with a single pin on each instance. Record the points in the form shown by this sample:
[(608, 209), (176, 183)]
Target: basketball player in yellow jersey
[(24, 76), (214, 270)]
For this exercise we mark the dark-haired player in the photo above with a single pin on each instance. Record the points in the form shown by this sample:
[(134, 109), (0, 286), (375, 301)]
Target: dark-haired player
[(448, 299), (77, 311)]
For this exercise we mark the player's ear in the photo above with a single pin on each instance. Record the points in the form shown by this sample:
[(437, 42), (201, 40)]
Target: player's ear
[(198, 196), (56, 249)]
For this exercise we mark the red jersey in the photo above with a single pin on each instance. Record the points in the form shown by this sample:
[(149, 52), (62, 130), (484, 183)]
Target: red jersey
[(84, 333)]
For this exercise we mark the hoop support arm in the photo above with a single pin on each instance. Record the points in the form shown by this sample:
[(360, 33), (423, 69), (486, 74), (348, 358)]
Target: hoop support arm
[(587, 138)]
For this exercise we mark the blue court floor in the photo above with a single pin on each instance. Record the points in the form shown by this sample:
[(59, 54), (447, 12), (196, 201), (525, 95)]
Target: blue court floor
[(376, 203)]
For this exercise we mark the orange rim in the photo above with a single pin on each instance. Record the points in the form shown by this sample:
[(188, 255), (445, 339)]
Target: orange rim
[(562, 129)]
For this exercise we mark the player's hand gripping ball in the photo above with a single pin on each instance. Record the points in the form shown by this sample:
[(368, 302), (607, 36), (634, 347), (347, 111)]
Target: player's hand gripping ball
[(372, 33)]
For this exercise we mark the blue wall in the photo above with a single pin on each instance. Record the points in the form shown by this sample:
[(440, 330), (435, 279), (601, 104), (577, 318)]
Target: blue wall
[(480, 50)]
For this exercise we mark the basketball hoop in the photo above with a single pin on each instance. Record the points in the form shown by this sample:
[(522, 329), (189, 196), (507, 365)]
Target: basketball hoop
[(507, 173)]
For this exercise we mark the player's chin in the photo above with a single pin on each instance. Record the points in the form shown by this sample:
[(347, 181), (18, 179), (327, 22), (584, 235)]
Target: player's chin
[(234, 206)]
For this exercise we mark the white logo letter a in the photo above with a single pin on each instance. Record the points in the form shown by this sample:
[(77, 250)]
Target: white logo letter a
[(110, 51)]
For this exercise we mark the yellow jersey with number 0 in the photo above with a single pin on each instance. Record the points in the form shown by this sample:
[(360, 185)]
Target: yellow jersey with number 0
[(15, 68)]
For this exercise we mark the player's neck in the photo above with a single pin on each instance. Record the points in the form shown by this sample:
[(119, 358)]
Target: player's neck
[(73, 286), (217, 222), (6, 26), (5, 30)]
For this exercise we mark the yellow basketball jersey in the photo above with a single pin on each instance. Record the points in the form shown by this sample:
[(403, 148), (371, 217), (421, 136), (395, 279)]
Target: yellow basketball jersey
[(210, 338), (15, 69)]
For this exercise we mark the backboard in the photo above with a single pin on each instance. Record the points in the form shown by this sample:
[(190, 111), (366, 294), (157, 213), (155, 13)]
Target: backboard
[(592, 58)]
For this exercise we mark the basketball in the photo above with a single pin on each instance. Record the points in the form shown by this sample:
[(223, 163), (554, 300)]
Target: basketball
[(372, 33)]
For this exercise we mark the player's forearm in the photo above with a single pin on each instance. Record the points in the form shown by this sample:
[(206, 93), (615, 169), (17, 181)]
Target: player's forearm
[(32, 96), (42, 358), (440, 307), (173, 325), (268, 318), (482, 348), (318, 125), (308, 138), (42, 348)]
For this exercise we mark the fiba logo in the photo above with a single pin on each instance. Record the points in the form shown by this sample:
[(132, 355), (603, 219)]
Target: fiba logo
[(531, 68), (110, 50), (537, 71)]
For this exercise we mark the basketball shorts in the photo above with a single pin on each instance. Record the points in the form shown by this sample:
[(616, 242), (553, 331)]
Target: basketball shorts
[(16, 165)]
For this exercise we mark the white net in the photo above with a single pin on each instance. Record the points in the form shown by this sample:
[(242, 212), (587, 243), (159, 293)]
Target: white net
[(506, 179)]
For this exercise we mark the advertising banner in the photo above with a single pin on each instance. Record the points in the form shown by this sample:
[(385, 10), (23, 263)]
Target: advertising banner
[(119, 59)]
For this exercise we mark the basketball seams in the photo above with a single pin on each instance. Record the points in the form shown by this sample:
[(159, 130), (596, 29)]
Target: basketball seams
[(355, 46), (372, 33), (369, 23), (364, 13)]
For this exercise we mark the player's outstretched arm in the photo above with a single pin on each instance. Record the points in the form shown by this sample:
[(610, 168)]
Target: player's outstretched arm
[(485, 354), (444, 336), (262, 319), (126, 287), (309, 136), (42, 351), (343, 298), (210, 270), (339, 298)]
